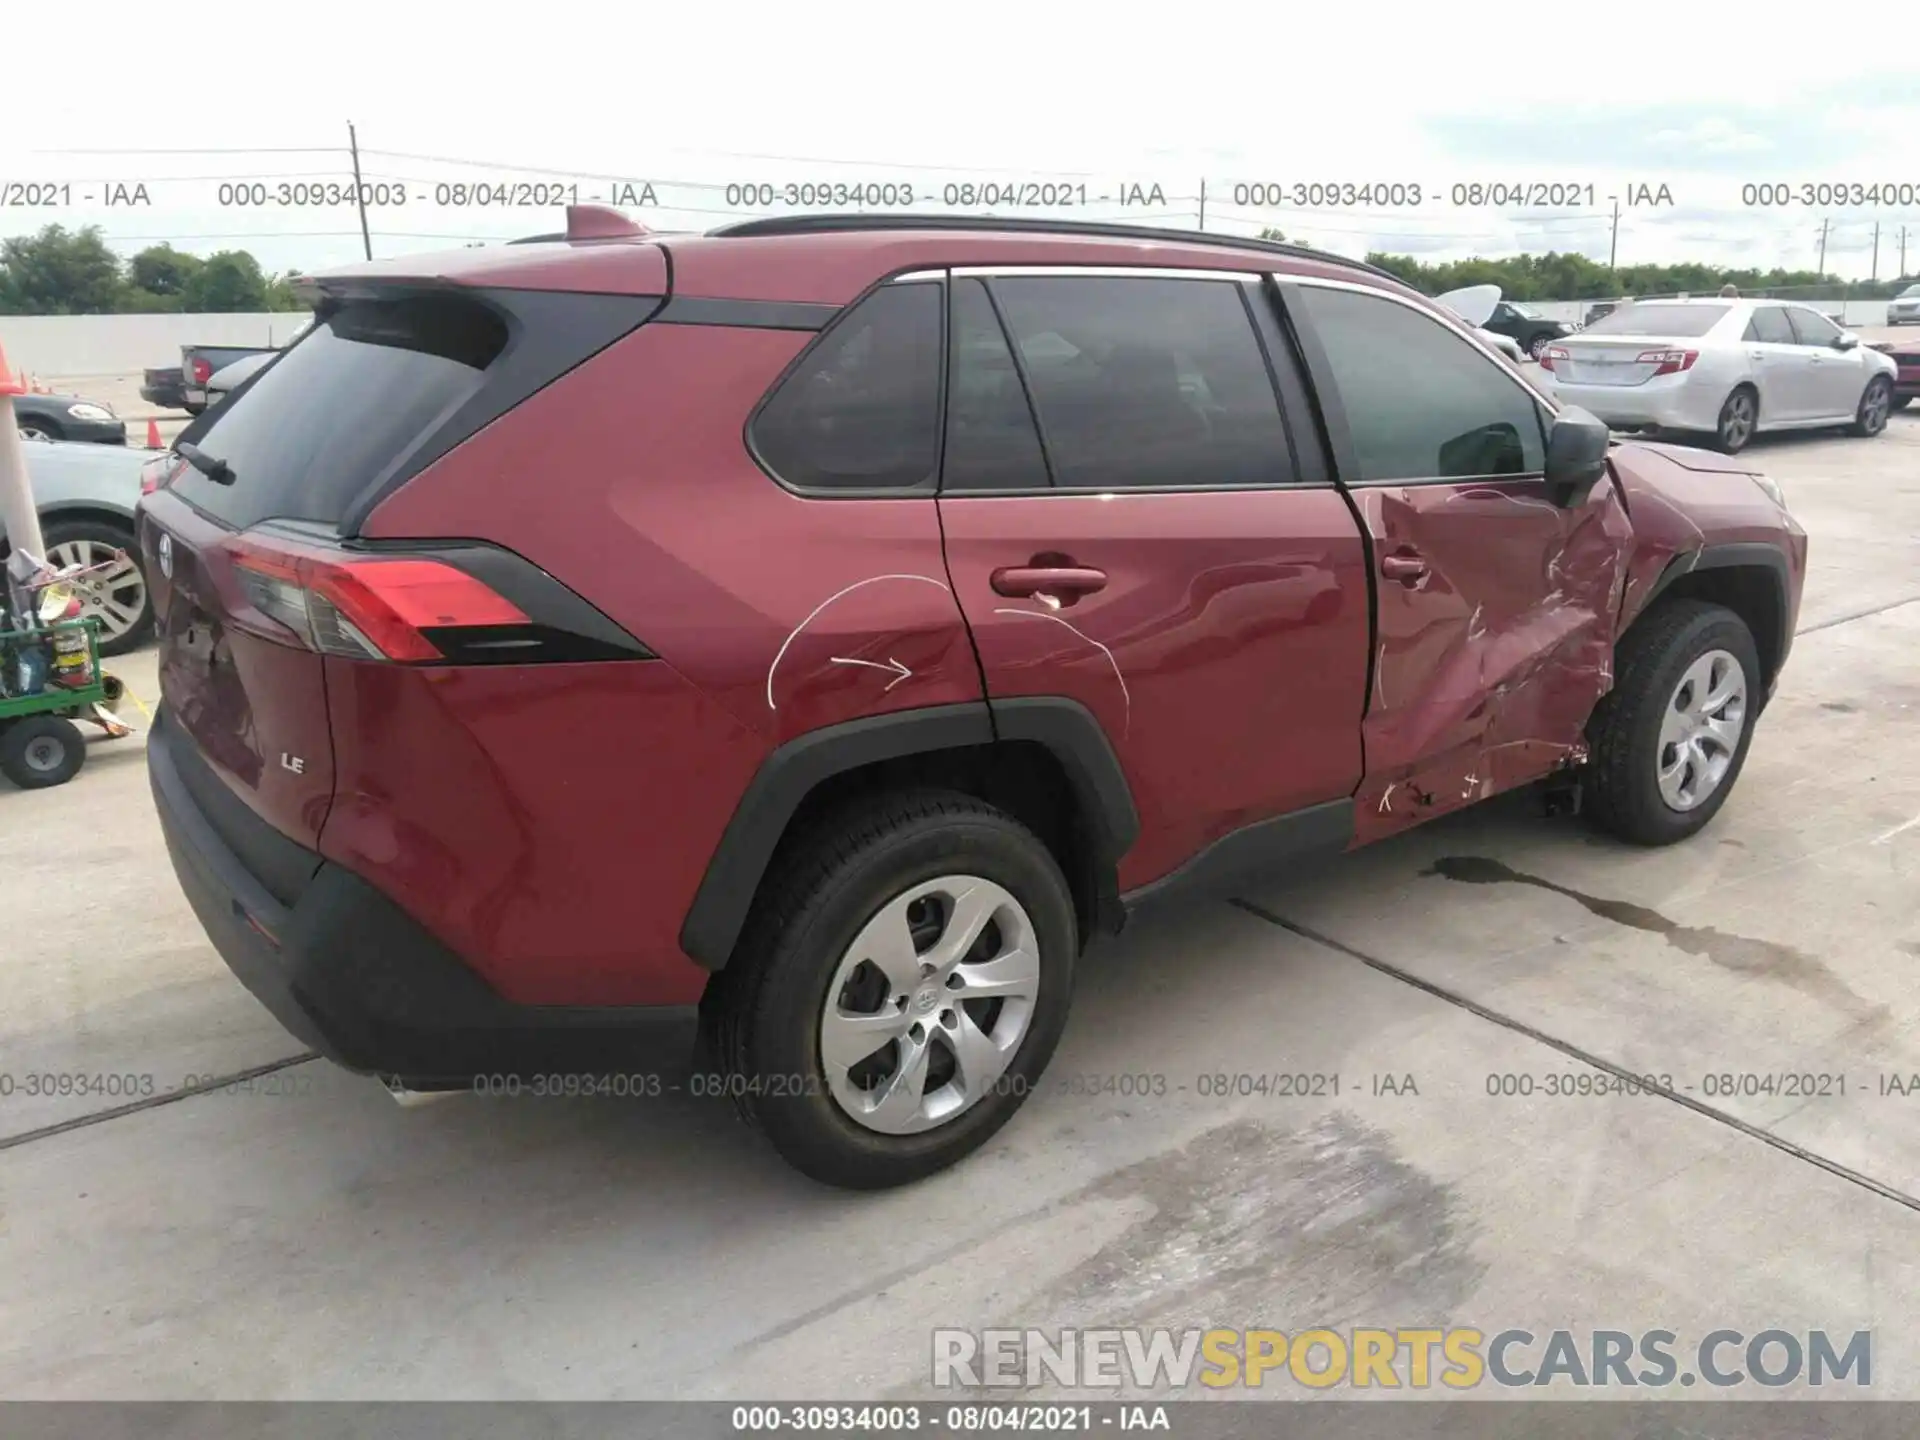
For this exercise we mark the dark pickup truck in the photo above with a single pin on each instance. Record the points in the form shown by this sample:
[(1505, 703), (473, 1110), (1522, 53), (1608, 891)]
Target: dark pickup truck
[(185, 388)]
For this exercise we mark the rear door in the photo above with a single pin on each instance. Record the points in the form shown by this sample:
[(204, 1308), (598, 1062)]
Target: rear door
[(1130, 524), (1780, 365), (1494, 606)]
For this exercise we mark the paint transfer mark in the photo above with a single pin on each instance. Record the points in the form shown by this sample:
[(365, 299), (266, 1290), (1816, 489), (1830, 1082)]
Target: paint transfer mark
[(1740, 954), (814, 614), (1125, 695), (893, 666)]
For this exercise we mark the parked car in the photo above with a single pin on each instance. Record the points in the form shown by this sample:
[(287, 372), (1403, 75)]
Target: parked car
[(69, 417), (1727, 368), (1905, 355), (820, 688), (1904, 308), (86, 496), (1526, 327), (1601, 309), (166, 388), (199, 364), (1474, 304), (225, 381)]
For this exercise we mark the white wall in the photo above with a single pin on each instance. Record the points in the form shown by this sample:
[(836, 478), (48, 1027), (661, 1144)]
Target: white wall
[(66, 346)]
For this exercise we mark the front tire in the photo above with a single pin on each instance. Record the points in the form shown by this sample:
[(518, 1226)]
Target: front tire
[(1538, 346), (1739, 419), (118, 598), (899, 988), (1667, 743), (41, 751), (1876, 401)]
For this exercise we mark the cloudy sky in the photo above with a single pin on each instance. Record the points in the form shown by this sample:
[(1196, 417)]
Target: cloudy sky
[(1603, 103)]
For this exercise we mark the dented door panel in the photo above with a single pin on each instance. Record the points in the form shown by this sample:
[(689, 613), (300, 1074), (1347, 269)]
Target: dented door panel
[(1487, 666)]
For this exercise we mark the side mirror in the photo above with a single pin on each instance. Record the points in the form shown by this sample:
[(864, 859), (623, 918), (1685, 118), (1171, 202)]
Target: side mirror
[(1576, 456), (1846, 342)]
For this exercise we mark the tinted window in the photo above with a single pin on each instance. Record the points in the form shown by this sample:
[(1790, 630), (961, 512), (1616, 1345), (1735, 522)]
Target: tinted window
[(337, 409), (1143, 382), (861, 412), (1421, 401), (1810, 328), (1769, 326), (1653, 318), (991, 442)]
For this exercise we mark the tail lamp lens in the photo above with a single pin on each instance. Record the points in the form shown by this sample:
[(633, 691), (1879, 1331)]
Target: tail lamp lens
[(1551, 354), (367, 609), (1670, 362), (202, 371)]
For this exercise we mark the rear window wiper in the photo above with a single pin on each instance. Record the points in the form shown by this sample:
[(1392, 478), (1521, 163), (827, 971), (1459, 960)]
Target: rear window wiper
[(217, 471)]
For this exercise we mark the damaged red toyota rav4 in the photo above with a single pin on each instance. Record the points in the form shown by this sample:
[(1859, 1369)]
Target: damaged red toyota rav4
[(818, 629)]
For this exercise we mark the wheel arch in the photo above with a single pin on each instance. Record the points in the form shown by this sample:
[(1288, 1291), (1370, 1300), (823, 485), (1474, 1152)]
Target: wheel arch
[(1752, 580), (1045, 759)]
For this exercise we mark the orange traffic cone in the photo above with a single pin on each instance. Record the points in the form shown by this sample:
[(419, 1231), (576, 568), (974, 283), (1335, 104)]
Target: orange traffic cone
[(10, 384), (153, 434)]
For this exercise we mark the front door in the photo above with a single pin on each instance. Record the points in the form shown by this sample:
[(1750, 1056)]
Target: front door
[(1781, 365), (1152, 548), (1494, 606)]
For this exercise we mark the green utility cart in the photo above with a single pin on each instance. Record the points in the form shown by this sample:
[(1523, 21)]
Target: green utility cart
[(40, 746)]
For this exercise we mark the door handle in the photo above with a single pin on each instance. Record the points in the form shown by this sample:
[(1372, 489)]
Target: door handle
[(1019, 581), (1405, 567)]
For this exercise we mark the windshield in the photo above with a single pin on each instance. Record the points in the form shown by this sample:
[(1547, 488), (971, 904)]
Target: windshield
[(1912, 292), (1653, 318)]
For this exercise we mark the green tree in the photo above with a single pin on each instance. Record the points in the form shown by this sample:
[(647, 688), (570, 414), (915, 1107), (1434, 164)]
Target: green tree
[(230, 282), (59, 272), (163, 270)]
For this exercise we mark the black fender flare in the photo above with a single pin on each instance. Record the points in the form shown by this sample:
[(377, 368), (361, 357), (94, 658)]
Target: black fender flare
[(1067, 729), (1745, 555)]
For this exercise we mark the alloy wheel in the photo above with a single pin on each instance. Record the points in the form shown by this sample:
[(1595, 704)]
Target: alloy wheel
[(1700, 729), (1874, 406), (929, 1004), (117, 597), (1736, 421)]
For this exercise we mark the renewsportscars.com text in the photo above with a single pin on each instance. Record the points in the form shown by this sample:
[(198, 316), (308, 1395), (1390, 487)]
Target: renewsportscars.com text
[(1414, 1358)]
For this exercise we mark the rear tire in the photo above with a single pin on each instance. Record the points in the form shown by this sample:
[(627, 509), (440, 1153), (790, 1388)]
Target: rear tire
[(801, 972), (41, 751), (1876, 401), (1665, 665), (1538, 346), (45, 429), (1739, 420)]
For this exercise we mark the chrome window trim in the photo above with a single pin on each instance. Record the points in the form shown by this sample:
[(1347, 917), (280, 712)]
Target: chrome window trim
[(1016, 270)]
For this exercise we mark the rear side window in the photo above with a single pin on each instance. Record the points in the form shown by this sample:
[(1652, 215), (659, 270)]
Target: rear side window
[(339, 407), (991, 442), (862, 409), (1146, 383), (1422, 402), (1769, 326)]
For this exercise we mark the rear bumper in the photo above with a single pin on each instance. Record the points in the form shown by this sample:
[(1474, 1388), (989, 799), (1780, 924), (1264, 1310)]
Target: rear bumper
[(351, 975), (1660, 405)]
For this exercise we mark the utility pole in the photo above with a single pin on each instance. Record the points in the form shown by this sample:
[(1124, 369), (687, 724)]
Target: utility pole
[(1613, 245), (1876, 252), (359, 192), (1903, 251), (1821, 269), (1203, 202)]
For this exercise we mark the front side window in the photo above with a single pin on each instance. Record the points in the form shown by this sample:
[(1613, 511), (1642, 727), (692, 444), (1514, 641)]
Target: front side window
[(1421, 402), (862, 409), (1811, 328), (1146, 383)]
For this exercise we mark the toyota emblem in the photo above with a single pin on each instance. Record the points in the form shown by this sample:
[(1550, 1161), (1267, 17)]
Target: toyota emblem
[(166, 556)]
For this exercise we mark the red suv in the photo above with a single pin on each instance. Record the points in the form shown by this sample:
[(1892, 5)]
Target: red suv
[(823, 627)]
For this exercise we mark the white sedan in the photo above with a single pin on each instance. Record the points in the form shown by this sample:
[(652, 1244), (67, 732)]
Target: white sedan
[(1724, 367)]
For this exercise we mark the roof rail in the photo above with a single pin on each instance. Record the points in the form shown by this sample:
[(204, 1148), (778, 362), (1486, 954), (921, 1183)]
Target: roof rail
[(831, 222)]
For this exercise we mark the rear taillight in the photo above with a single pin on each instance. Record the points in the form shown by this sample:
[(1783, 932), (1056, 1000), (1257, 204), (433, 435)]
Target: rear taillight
[(1551, 354), (367, 608), (202, 371), (1671, 362)]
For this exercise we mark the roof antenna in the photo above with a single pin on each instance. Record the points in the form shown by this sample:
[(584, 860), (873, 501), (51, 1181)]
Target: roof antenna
[(601, 222)]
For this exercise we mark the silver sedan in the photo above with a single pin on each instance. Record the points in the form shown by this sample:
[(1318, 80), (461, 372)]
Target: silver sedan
[(1728, 368)]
